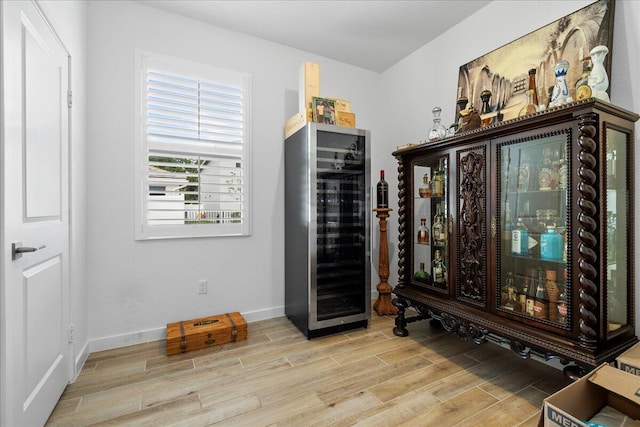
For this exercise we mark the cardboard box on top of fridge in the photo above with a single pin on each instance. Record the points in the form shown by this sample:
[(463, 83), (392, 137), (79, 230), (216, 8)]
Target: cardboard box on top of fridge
[(309, 85), (294, 124), (346, 119)]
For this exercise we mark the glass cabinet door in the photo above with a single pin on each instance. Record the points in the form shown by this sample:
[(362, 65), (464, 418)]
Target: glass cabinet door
[(430, 223), (617, 221), (532, 274)]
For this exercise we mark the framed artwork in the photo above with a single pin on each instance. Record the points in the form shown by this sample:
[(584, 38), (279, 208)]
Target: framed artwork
[(504, 72), (324, 110)]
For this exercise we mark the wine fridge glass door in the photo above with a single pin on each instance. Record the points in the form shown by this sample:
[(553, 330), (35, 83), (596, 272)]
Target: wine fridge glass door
[(342, 212)]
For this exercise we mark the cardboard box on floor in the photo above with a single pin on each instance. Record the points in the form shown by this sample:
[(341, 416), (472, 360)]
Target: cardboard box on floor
[(582, 400), (629, 361)]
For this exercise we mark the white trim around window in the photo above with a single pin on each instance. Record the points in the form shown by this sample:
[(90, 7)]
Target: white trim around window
[(192, 154)]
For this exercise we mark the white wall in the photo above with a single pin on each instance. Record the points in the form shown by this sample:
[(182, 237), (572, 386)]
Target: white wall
[(135, 288), (69, 18), (429, 76)]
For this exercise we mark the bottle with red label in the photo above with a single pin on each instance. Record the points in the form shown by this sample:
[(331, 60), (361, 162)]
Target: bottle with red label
[(541, 300), (562, 304)]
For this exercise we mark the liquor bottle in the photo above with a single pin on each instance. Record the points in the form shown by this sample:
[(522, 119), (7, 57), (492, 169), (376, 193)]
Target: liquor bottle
[(531, 293), (512, 303), (421, 275), (532, 86), (383, 192), (598, 79), (527, 174), (562, 170), (423, 232), (562, 303), (445, 229), (522, 295), (517, 296), (461, 103), (552, 294), (436, 184), (560, 94), (541, 298), (520, 238), (504, 294), (555, 168), (561, 306), (547, 175), (425, 190), (437, 181), (439, 270), (551, 244), (507, 228), (485, 96), (438, 232), (438, 130), (508, 283), (529, 107), (583, 91)]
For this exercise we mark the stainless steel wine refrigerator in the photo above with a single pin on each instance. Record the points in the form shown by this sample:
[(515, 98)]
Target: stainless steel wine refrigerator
[(327, 236)]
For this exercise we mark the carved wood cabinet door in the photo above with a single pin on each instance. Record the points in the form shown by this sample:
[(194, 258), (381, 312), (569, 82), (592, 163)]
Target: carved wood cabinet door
[(471, 191)]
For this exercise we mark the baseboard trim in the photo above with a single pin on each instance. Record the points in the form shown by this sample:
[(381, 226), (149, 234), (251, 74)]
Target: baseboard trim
[(80, 361), (158, 334), (125, 340), (268, 313)]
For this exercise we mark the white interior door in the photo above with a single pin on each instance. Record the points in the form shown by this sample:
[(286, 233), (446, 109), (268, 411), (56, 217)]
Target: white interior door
[(35, 283)]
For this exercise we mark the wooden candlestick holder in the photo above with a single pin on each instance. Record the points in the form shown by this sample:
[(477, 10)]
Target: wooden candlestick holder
[(383, 305)]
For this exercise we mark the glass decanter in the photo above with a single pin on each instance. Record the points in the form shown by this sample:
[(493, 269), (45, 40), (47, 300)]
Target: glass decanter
[(437, 131)]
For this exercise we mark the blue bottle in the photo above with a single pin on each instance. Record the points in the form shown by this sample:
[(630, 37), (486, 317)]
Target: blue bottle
[(551, 244), (520, 239)]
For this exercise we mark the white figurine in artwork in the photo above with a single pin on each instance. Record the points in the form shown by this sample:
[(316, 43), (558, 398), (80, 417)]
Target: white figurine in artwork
[(560, 94), (598, 79)]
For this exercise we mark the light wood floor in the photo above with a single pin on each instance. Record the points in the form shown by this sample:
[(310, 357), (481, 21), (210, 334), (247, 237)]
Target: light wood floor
[(277, 377)]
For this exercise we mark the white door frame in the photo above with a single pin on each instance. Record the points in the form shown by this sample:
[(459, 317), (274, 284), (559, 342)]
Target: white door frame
[(5, 245)]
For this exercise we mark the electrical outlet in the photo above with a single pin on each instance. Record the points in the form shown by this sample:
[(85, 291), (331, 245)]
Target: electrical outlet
[(202, 287)]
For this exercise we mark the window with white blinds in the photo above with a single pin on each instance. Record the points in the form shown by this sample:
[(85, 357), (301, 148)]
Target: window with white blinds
[(193, 152)]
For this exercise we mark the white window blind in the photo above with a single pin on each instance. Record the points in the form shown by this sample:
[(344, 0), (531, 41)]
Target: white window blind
[(193, 151)]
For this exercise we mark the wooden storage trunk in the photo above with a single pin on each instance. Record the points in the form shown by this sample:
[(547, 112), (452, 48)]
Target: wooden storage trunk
[(189, 335)]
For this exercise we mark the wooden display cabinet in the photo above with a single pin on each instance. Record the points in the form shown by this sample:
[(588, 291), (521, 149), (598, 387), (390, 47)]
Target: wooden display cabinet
[(564, 287)]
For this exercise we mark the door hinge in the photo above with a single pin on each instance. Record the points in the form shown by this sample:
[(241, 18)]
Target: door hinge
[(71, 335), (69, 99)]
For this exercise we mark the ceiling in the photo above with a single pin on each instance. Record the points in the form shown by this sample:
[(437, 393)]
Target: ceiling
[(370, 34)]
